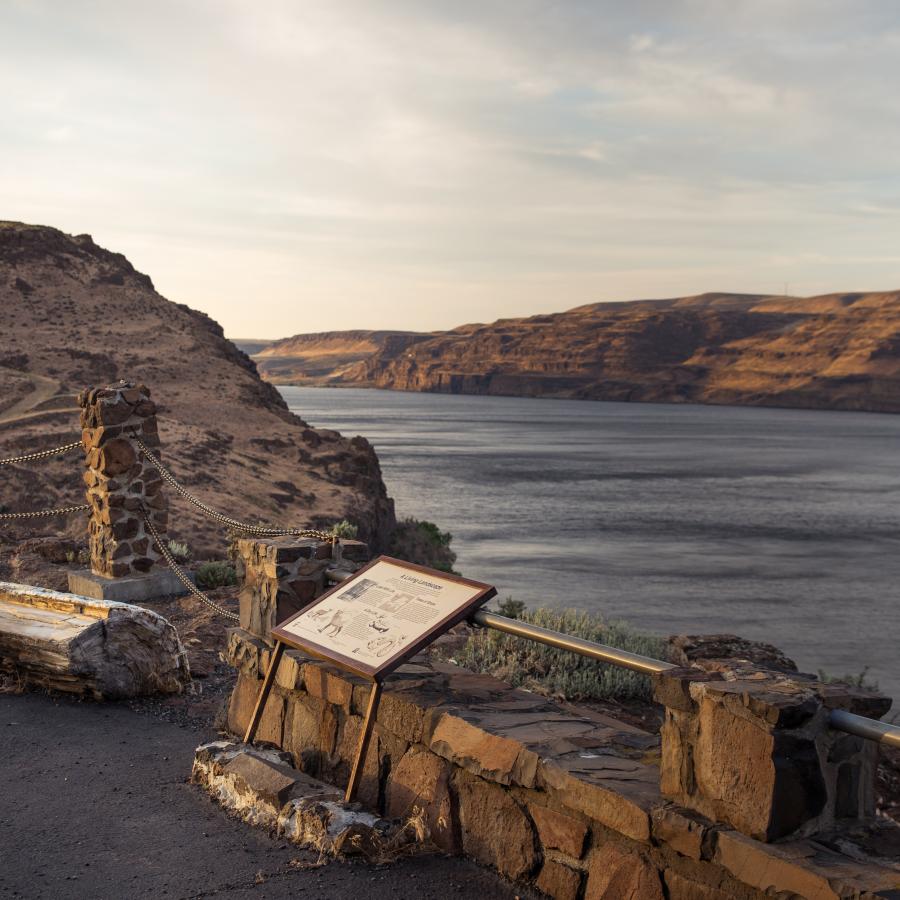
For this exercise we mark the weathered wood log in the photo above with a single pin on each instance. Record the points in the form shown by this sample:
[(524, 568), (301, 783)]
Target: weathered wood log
[(84, 646)]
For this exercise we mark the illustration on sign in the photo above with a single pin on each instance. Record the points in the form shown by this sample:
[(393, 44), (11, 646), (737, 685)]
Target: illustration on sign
[(385, 609)]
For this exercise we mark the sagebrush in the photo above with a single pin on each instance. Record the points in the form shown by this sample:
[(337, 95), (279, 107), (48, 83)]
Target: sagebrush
[(345, 529), (212, 575), (560, 672)]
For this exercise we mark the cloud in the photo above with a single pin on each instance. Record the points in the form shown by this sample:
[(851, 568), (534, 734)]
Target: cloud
[(296, 166)]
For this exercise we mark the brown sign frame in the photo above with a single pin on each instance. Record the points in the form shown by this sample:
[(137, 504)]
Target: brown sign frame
[(373, 673)]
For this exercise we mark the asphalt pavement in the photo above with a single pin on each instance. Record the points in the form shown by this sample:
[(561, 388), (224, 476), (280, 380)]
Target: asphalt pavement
[(95, 803)]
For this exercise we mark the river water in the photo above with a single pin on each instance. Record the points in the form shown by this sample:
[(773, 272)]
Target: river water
[(778, 525)]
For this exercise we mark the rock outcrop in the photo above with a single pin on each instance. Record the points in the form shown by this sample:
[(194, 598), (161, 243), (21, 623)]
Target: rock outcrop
[(837, 351), (73, 314)]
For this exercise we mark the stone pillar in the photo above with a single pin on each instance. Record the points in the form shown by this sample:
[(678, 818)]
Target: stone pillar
[(281, 575), (120, 482), (752, 748)]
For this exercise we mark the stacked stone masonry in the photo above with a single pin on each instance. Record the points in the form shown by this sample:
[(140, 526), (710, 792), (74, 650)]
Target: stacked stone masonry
[(568, 799), (120, 481), (279, 576), (752, 748)]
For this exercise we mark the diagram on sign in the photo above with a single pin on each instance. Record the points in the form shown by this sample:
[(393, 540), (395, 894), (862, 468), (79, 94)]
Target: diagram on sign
[(382, 611)]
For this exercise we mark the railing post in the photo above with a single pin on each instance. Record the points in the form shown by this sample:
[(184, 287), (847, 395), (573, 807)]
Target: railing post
[(121, 484), (753, 748)]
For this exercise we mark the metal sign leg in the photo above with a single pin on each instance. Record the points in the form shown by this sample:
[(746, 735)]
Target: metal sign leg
[(364, 738), (264, 693)]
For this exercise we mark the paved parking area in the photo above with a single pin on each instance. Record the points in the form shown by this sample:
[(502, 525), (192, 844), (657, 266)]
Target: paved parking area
[(95, 803)]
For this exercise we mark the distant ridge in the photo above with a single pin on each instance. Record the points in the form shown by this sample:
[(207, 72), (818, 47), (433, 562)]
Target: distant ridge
[(834, 351), (323, 357)]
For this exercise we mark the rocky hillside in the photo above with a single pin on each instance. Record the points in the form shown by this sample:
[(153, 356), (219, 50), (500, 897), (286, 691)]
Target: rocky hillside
[(73, 315), (324, 357), (838, 351)]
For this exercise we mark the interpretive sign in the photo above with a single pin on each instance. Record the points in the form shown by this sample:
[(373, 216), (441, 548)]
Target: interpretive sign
[(371, 623), (386, 613)]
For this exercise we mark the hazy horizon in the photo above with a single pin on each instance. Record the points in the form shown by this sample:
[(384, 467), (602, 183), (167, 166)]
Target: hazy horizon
[(302, 167)]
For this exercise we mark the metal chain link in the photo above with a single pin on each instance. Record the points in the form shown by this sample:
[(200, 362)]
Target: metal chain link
[(42, 454), (259, 530), (61, 511), (179, 572)]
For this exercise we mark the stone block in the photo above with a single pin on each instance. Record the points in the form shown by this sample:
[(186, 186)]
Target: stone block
[(272, 781), (498, 759), (312, 735), (241, 704), (132, 588), (680, 887), (802, 868), (681, 830), (420, 784), (401, 716), (271, 723), (328, 684), (558, 881), (369, 790), (557, 831), (623, 810), (245, 653), (290, 671), (617, 873), (495, 829)]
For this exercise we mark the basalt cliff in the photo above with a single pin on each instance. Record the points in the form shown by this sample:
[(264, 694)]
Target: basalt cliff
[(324, 357), (73, 314), (836, 351)]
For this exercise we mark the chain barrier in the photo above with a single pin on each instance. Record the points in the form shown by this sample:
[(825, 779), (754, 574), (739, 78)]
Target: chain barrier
[(179, 572), (40, 513), (42, 454), (258, 530)]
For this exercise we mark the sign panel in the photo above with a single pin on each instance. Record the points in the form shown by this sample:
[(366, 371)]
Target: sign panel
[(386, 613)]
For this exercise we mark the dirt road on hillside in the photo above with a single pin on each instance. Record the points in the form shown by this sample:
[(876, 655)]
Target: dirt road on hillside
[(43, 389)]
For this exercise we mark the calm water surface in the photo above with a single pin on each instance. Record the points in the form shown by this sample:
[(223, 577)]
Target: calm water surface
[(779, 525)]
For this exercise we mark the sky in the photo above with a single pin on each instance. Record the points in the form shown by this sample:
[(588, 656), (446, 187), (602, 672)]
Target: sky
[(300, 166)]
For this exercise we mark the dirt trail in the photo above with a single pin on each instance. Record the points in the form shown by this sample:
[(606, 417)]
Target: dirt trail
[(43, 389)]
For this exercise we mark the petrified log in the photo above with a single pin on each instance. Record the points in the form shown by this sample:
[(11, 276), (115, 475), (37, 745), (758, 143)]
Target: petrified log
[(84, 646)]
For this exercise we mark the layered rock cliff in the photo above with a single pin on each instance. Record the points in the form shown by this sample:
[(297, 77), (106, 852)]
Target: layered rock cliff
[(838, 351), (326, 356), (74, 314)]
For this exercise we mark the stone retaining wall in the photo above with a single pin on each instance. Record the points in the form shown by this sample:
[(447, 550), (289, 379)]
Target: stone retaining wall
[(569, 799), (562, 797)]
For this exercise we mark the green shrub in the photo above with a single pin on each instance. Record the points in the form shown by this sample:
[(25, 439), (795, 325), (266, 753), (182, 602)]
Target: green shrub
[(423, 543), (512, 609), (559, 672), (345, 529), (859, 681), (212, 575), (180, 551)]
